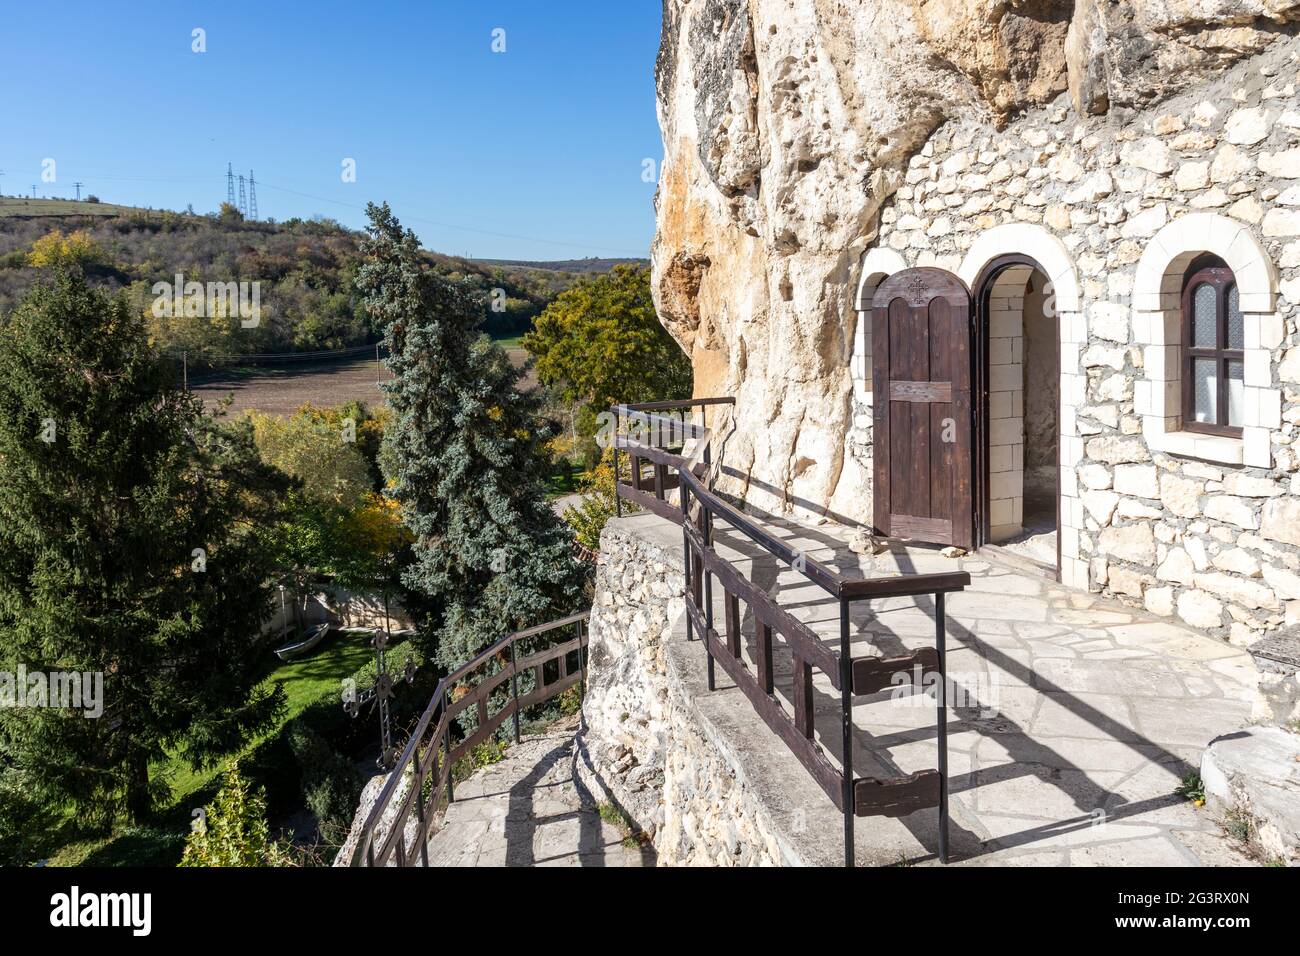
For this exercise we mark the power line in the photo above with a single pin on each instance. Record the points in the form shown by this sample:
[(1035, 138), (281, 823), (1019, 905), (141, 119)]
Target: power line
[(450, 225), (321, 355), (563, 243)]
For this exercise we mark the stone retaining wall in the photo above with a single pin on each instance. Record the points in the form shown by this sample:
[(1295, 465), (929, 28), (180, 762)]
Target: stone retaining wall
[(647, 744)]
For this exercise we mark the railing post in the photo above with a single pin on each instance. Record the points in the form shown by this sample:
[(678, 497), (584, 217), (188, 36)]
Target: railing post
[(684, 497), (582, 665), (446, 739), (846, 729), (706, 531), (514, 688), (419, 807), (708, 448), (940, 639), (618, 499)]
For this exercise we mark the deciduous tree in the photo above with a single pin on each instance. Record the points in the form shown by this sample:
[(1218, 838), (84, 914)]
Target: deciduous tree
[(601, 342)]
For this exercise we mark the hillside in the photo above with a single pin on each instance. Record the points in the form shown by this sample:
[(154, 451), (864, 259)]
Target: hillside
[(583, 266), (305, 271), (16, 206)]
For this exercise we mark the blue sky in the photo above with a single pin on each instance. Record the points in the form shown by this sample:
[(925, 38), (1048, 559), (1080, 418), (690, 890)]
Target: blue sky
[(534, 153)]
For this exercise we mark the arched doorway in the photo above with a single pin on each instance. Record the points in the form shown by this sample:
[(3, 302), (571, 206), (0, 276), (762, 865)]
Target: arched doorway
[(966, 409), (1017, 378)]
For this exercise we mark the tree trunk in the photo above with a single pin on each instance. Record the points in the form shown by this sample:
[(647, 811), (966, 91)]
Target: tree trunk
[(139, 804)]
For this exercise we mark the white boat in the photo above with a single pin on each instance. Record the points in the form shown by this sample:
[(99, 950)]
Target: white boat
[(314, 636)]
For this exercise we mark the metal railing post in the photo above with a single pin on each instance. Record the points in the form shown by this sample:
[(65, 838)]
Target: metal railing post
[(940, 639), (446, 739), (708, 448), (582, 665), (707, 534), (684, 497), (618, 501), (514, 688), (846, 730), (419, 808)]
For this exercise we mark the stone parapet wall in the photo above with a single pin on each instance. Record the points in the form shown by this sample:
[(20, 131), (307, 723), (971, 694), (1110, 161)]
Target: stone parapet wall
[(647, 744)]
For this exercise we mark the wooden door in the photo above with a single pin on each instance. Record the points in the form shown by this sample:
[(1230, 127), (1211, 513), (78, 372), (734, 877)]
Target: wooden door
[(921, 347)]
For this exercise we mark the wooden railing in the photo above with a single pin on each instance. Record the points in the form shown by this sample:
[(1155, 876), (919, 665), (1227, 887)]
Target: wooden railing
[(697, 510), (423, 775), (664, 451)]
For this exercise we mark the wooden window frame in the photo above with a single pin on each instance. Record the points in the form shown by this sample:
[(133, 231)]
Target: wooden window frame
[(1212, 271)]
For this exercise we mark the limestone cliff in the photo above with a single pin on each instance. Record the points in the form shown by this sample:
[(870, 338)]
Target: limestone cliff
[(786, 125)]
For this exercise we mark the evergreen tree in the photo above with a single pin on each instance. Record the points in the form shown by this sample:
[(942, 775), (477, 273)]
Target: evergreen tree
[(465, 453), (130, 546)]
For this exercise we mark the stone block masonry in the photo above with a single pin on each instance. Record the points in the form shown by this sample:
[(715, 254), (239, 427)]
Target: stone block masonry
[(646, 744), (1199, 527), (808, 157)]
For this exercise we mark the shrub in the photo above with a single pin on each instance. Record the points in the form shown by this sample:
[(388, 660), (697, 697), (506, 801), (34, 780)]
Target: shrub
[(598, 504), (23, 821), (55, 249), (331, 785), (233, 830)]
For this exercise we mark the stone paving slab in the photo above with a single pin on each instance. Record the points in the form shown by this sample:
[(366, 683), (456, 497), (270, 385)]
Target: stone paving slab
[(530, 810), (1081, 718), (1083, 715)]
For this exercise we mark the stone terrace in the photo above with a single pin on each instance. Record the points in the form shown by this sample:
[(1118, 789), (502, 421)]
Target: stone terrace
[(1086, 715)]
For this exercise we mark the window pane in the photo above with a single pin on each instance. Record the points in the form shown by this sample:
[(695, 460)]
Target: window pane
[(1205, 390), (1236, 328), (1205, 318), (1236, 391)]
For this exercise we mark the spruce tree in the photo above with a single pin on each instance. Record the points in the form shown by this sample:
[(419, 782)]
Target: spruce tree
[(130, 545), (465, 455)]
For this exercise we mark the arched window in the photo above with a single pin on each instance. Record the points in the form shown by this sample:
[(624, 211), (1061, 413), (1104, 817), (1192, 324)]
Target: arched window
[(1213, 349)]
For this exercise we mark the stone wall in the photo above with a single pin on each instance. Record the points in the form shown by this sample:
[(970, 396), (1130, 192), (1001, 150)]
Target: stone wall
[(652, 742), (1199, 527), (788, 126), (808, 155)]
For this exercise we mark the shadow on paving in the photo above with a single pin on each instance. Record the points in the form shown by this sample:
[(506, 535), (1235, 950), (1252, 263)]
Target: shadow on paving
[(1028, 754)]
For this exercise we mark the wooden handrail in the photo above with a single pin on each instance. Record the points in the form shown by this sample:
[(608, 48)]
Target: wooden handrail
[(366, 853), (832, 582), (677, 403), (850, 676)]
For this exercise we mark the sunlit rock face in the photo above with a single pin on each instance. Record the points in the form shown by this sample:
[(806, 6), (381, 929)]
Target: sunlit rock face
[(788, 123)]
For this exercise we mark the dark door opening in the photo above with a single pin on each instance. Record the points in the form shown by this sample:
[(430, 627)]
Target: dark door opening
[(1017, 411)]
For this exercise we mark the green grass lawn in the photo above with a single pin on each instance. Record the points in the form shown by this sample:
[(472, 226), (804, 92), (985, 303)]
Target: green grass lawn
[(514, 342), (565, 478), (304, 680)]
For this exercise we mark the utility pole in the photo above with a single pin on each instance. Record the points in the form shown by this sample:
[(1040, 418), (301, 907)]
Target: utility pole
[(78, 185), (252, 196), (230, 184), (243, 198)]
